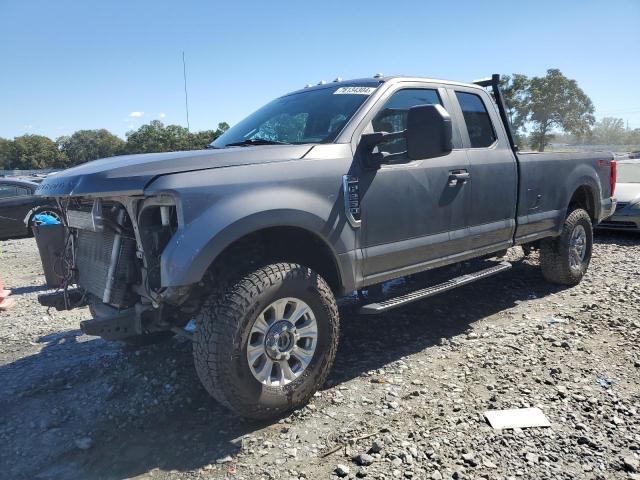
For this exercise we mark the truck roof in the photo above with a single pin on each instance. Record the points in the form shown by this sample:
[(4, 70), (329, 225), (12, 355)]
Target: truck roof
[(376, 81)]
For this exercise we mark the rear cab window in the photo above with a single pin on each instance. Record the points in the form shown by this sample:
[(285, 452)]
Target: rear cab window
[(477, 120)]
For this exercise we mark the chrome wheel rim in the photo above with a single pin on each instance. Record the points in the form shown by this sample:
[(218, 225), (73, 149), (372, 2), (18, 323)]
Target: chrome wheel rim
[(282, 342), (46, 212), (577, 247)]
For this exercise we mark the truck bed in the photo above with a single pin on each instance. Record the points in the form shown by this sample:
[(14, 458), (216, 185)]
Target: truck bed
[(543, 197)]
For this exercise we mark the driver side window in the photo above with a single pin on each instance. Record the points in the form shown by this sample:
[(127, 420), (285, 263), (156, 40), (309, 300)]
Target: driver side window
[(393, 115)]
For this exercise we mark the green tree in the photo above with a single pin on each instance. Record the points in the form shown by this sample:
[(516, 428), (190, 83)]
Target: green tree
[(609, 131), (515, 91), (155, 137), (86, 145), (7, 154), (632, 137), (557, 102), (200, 140), (222, 127), (35, 152)]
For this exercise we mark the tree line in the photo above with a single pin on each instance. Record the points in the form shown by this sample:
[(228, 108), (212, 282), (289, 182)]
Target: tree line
[(553, 106), (31, 152)]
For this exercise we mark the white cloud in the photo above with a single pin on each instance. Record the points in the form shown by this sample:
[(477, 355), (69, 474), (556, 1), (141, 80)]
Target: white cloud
[(28, 127), (162, 115), (136, 114)]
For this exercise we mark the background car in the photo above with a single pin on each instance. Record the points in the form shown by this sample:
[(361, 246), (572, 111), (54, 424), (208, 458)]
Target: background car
[(627, 214), (17, 202)]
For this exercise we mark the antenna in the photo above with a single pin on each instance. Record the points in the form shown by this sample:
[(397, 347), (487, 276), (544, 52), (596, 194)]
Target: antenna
[(186, 97)]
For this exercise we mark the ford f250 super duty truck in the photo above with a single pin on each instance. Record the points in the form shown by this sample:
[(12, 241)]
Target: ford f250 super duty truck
[(322, 192)]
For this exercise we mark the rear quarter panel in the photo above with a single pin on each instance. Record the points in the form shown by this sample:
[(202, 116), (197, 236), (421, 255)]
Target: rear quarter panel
[(547, 184)]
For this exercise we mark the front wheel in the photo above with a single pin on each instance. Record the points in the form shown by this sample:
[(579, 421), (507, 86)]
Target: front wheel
[(565, 259), (264, 344)]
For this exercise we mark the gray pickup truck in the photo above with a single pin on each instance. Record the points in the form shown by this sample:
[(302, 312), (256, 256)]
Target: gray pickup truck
[(244, 247)]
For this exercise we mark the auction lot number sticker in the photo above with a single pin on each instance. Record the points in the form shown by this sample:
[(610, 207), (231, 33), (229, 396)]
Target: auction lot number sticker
[(354, 91)]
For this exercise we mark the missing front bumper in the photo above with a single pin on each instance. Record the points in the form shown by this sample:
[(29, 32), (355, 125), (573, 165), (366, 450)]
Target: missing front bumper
[(121, 325)]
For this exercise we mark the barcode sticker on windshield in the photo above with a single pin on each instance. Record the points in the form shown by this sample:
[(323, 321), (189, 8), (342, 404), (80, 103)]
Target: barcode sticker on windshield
[(354, 91)]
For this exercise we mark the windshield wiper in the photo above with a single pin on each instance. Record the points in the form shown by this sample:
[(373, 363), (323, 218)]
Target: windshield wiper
[(255, 141)]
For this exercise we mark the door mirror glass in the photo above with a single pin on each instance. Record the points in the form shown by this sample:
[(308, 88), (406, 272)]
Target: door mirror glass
[(428, 132)]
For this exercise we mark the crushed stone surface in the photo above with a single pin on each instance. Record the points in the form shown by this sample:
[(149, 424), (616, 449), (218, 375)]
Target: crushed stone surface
[(405, 398)]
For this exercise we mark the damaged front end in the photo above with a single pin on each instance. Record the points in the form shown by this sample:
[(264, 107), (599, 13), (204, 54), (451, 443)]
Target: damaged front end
[(114, 246)]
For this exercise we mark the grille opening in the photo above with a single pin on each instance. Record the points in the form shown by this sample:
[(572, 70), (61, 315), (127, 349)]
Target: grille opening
[(155, 237)]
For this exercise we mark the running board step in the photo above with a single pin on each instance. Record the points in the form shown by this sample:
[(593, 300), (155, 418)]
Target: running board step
[(383, 306)]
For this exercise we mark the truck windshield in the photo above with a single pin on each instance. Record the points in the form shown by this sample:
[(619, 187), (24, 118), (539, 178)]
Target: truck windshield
[(313, 116), (628, 173)]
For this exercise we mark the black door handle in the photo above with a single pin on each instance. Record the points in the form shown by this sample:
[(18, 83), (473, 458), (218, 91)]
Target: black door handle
[(458, 176)]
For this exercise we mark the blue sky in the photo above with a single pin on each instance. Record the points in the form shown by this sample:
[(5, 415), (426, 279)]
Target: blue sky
[(87, 64)]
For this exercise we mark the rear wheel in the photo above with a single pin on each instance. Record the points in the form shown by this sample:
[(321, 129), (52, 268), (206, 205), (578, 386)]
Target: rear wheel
[(265, 343), (565, 259)]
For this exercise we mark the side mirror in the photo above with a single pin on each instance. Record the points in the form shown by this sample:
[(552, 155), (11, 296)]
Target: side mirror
[(428, 132), (428, 135)]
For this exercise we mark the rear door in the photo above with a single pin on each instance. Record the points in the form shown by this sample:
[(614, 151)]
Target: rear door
[(492, 168), (412, 211), (15, 203)]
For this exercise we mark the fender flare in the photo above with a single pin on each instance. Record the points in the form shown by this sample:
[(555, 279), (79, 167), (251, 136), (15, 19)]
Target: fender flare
[(191, 252)]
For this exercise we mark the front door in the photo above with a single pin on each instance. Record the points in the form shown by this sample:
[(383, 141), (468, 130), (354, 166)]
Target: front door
[(413, 212)]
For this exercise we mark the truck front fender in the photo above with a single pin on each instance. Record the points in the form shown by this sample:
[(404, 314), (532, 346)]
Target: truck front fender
[(200, 239)]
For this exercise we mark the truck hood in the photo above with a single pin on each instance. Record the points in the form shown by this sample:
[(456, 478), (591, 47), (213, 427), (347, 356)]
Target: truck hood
[(130, 174), (628, 192)]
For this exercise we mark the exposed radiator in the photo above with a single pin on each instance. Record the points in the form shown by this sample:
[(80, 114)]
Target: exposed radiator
[(93, 257)]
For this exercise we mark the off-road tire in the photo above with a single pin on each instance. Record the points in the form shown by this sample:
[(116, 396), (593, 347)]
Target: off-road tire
[(224, 324), (554, 252)]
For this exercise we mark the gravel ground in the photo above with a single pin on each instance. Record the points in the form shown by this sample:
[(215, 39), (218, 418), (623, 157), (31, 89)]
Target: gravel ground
[(404, 400)]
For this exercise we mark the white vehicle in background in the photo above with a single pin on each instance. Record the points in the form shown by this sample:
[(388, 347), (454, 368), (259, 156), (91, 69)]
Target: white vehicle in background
[(627, 214)]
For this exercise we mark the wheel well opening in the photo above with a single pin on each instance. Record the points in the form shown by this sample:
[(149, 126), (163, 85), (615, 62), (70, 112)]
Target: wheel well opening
[(283, 244), (583, 198)]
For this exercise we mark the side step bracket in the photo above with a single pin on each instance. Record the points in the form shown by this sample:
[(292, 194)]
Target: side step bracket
[(383, 306)]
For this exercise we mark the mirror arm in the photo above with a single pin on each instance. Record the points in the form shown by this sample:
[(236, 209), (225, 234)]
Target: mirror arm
[(370, 141), (382, 157), (389, 137)]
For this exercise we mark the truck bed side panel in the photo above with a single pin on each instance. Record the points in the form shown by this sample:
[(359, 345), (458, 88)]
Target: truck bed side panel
[(548, 181)]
